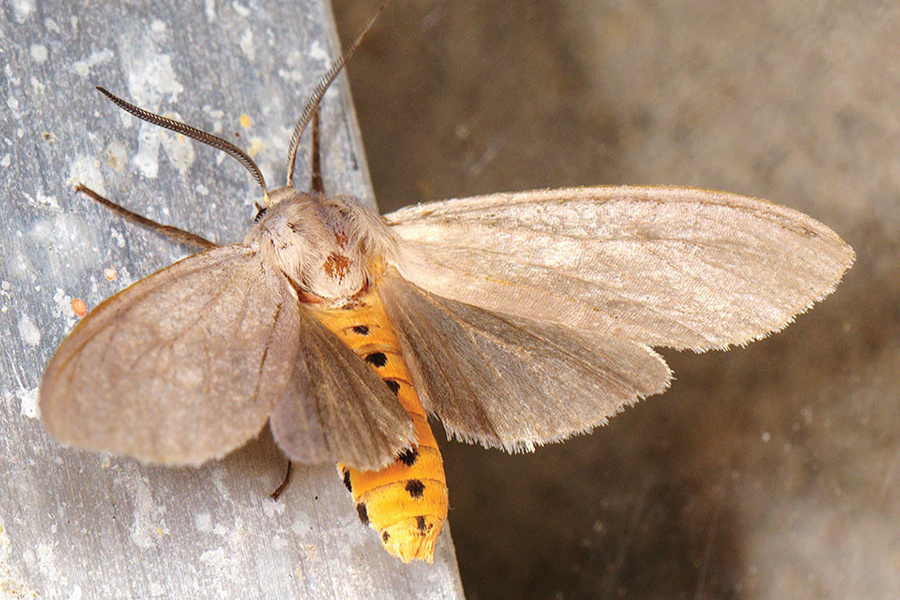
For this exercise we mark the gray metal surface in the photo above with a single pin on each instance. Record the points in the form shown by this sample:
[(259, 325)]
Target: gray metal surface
[(79, 525)]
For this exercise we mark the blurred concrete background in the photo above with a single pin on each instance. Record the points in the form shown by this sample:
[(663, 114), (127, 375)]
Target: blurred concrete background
[(764, 472)]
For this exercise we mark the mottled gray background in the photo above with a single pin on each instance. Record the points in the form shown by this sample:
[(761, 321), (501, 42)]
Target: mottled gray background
[(765, 472)]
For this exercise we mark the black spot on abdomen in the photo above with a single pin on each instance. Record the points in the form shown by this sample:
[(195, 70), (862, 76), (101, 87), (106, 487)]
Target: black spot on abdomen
[(415, 488), (361, 329), (362, 513), (420, 523), (395, 386), (409, 456), (377, 358), (347, 481)]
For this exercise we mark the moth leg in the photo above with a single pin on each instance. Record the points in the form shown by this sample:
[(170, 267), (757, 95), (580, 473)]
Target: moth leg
[(173, 233), (317, 185), (288, 474)]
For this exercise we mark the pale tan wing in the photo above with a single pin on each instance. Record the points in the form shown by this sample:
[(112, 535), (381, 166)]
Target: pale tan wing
[(663, 266), (337, 408), (179, 368), (511, 383)]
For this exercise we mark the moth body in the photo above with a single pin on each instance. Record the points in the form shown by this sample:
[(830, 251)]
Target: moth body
[(332, 250)]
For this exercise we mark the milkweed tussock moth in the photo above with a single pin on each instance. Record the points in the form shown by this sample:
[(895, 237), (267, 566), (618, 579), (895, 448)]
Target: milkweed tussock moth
[(517, 319)]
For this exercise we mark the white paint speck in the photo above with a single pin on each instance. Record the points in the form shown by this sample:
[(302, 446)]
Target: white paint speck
[(240, 9), (39, 53), (147, 157), (317, 52), (46, 231), (116, 156), (6, 160), (301, 525), (219, 475), (52, 25), (151, 79), (28, 331), (214, 113), (215, 559), (22, 9), (62, 303), (150, 75), (47, 562), (294, 71), (29, 406), (86, 170), (203, 522), (179, 149), (209, 7), (43, 199), (247, 46), (83, 67), (76, 594), (119, 239), (766, 436), (13, 103), (11, 75), (37, 85), (273, 509), (157, 26)]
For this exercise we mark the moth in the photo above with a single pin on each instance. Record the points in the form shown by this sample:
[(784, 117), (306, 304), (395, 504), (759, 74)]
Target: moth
[(517, 319)]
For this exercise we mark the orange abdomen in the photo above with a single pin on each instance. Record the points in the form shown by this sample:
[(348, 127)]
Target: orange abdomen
[(406, 502)]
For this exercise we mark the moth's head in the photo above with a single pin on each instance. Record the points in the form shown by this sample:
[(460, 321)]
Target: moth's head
[(324, 246), (277, 197)]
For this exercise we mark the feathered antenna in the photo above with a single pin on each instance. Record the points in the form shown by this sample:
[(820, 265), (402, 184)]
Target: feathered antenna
[(312, 105), (194, 133)]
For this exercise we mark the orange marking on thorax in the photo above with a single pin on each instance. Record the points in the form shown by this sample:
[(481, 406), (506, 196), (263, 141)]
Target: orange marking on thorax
[(337, 266), (406, 502)]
